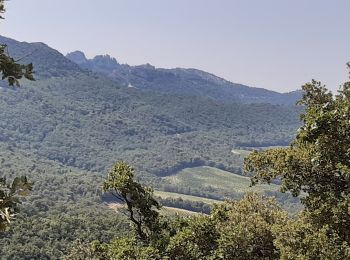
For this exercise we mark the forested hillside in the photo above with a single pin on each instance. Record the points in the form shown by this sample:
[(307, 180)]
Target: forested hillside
[(64, 205), (86, 120)]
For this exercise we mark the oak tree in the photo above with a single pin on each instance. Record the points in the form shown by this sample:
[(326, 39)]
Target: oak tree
[(317, 163), (141, 207)]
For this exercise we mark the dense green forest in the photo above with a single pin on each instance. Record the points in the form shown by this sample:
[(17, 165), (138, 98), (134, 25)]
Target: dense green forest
[(64, 205), (86, 120)]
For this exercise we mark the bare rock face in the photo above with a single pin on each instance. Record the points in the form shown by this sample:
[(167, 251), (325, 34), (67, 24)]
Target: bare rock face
[(78, 57)]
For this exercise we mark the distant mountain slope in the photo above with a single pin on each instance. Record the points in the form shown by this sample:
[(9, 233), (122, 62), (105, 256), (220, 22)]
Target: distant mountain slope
[(47, 61), (86, 120), (190, 82)]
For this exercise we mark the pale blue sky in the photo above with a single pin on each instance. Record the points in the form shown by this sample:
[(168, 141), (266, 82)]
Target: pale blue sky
[(275, 44)]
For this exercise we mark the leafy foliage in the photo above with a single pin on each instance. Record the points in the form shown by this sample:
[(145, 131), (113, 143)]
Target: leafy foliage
[(13, 71), (318, 164), (10, 69), (234, 230), (2, 8), (10, 198), (239, 229), (246, 232), (141, 206), (301, 239)]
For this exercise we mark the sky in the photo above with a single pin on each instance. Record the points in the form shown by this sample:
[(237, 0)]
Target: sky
[(274, 44)]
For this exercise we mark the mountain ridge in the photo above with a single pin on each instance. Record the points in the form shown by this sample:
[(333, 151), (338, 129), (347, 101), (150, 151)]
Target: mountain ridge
[(47, 61), (181, 81), (187, 81)]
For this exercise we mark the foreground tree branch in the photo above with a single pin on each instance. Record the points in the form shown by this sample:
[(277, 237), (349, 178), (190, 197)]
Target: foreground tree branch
[(142, 208), (10, 69)]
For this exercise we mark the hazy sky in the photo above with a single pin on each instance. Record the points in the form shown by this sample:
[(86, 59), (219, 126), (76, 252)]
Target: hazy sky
[(275, 44)]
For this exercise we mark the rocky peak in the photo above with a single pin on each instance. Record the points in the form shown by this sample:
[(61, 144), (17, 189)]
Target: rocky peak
[(78, 57)]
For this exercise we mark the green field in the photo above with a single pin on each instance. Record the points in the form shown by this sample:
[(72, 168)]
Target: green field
[(211, 185), (244, 153), (174, 195), (169, 211), (240, 152), (213, 178)]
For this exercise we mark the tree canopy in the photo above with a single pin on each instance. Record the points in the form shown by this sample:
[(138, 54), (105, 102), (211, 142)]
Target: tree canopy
[(2, 8), (10, 194), (141, 206), (317, 164), (241, 229)]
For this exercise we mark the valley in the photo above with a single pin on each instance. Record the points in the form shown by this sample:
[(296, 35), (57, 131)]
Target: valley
[(66, 129)]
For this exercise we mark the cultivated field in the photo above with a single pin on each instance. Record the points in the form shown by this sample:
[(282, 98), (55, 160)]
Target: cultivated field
[(214, 178)]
